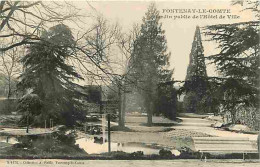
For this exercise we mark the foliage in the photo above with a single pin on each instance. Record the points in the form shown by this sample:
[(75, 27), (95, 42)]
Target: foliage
[(49, 76), (49, 146), (112, 93), (167, 101), (180, 108), (211, 100), (165, 153), (195, 82), (150, 60), (93, 94), (187, 153), (137, 154), (238, 63), (29, 105)]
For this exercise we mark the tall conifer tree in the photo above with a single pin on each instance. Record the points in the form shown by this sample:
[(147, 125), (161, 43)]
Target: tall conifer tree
[(238, 62), (195, 82), (50, 77), (150, 60)]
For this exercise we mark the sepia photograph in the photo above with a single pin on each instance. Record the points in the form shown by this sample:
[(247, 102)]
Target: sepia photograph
[(129, 83)]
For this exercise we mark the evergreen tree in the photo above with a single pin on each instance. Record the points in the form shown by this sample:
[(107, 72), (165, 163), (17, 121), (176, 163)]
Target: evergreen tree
[(166, 103), (150, 60), (195, 82), (238, 63), (48, 75)]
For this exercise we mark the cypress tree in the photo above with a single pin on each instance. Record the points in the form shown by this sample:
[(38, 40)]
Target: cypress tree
[(195, 82)]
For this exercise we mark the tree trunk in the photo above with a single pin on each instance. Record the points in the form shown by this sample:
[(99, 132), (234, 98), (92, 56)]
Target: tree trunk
[(233, 114), (8, 94), (123, 109), (9, 88), (149, 114), (119, 108), (100, 102), (258, 144)]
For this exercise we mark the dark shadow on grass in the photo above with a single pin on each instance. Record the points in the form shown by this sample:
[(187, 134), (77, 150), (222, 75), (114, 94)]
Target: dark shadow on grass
[(164, 124), (124, 129), (159, 124)]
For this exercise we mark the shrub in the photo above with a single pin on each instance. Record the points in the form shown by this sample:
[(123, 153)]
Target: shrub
[(137, 154), (165, 153), (49, 146), (187, 153)]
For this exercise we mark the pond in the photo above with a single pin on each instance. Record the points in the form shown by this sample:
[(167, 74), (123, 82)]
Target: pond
[(89, 145), (8, 139)]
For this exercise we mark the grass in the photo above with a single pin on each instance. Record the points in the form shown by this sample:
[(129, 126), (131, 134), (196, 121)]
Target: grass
[(163, 124), (193, 115), (124, 129)]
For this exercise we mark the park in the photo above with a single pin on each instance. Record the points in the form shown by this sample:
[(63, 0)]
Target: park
[(77, 85)]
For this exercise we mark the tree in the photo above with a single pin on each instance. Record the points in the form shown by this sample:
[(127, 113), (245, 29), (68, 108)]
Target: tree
[(124, 82), (150, 60), (48, 75), (167, 101), (25, 20), (11, 67), (238, 64), (30, 105), (93, 94), (195, 82)]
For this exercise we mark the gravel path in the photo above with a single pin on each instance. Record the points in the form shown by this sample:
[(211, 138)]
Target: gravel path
[(166, 134), (174, 136), (204, 126)]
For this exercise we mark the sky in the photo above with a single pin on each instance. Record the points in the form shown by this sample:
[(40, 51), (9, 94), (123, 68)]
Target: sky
[(179, 32)]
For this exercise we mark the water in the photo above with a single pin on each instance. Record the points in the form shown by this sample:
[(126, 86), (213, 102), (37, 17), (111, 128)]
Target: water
[(95, 148), (8, 139), (91, 147)]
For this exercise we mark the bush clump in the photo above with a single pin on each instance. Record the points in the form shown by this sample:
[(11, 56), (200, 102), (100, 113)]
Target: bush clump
[(137, 154), (187, 153), (165, 153), (57, 144)]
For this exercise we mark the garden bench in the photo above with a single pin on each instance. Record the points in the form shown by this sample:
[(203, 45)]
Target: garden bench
[(224, 145)]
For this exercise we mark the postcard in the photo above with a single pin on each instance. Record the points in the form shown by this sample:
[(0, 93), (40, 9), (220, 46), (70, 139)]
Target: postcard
[(129, 83)]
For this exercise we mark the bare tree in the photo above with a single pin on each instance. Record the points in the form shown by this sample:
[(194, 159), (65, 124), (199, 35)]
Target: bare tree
[(25, 19), (126, 46), (96, 51), (103, 55), (10, 67), (97, 48)]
